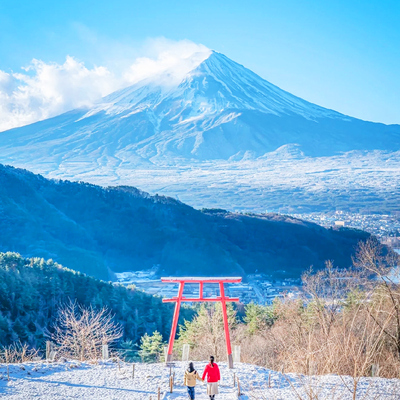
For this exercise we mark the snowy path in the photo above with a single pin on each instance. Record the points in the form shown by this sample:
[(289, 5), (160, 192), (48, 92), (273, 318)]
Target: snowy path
[(73, 380)]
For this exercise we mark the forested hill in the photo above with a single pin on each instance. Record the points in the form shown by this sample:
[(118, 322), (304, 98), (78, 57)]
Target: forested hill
[(31, 290), (99, 231)]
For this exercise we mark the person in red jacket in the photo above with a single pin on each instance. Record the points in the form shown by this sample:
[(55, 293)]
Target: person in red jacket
[(211, 371)]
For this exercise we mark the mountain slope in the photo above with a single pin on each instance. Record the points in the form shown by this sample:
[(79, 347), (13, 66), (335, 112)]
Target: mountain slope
[(104, 230), (32, 290), (219, 116), (219, 110)]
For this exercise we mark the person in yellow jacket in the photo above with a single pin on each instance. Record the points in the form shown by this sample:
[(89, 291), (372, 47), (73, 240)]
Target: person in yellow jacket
[(189, 380)]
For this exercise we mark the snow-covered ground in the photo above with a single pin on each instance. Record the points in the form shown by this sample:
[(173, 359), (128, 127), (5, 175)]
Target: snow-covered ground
[(107, 380), (285, 184)]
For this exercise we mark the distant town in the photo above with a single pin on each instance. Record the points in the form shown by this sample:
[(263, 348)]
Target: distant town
[(261, 288), (384, 226), (258, 288)]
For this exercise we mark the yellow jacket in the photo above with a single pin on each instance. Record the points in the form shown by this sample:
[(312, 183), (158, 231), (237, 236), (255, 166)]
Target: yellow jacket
[(190, 378)]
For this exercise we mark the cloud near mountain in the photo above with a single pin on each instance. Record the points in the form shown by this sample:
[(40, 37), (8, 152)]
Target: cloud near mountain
[(210, 128), (42, 90)]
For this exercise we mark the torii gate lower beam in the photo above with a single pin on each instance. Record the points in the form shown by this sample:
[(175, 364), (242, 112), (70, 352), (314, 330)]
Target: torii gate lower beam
[(179, 299)]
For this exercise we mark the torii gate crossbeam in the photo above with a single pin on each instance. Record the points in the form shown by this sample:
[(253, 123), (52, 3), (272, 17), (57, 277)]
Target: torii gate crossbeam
[(221, 298)]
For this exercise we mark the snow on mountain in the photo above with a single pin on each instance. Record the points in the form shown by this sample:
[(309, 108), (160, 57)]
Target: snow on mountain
[(107, 380), (210, 114), (215, 85)]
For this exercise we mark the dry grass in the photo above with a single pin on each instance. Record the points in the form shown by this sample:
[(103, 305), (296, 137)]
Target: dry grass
[(347, 323), (18, 353)]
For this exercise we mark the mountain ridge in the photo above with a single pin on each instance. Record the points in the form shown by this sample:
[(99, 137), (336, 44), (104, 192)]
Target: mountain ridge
[(220, 116), (181, 119), (100, 231)]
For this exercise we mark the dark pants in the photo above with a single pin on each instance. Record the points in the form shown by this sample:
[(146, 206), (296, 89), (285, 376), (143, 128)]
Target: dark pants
[(191, 392)]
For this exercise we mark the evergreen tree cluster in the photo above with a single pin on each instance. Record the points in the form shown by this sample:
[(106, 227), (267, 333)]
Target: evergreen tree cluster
[(32, 290), (151, 347)]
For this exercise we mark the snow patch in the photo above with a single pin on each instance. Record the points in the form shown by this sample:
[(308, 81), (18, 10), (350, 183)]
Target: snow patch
[(110, 380)]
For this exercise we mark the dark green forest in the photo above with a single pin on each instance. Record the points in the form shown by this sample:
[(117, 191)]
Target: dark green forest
[(100, 231), (31, 291)]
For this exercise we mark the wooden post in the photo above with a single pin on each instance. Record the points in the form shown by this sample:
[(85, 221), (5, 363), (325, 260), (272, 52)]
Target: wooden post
[(171, 383), (159, 394), (104, 351), (238, 388), (166, 354), (236, 354), (48, 350), (269, 379), (313, 368), (23, 354), (8, 371), (185, 352), (133, 371)]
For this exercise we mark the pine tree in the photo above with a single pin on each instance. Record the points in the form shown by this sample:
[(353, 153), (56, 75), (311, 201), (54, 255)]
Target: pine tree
[(31, 291), (258, 317), (5, 331), (129, 351), (205, 333), (151, 347)]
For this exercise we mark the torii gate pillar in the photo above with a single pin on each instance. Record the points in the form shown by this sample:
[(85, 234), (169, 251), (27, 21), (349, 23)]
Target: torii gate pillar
[(221, 298)]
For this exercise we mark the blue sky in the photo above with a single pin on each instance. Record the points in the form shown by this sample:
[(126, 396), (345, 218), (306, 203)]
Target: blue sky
[(343, 55)]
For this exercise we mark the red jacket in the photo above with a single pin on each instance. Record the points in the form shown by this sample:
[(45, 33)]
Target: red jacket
[(212, 373)]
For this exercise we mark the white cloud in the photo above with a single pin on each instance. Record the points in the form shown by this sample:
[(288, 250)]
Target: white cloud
[(43, 90), (177, 57)]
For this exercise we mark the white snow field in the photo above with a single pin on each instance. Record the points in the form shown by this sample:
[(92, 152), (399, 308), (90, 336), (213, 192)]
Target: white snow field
[(107, 380)]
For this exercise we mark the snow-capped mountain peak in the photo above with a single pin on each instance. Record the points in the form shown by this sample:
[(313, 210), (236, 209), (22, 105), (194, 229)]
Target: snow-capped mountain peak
[(213, 85), (209, 109)]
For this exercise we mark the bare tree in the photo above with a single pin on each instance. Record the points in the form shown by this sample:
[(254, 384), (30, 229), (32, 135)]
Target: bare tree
[(18, 353), (384, 270), (357, 343), (326, 292), (81, 331), (347, 323), (331, 330)]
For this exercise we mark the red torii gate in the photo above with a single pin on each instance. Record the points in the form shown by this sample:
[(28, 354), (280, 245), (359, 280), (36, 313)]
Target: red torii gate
[(221, 298)]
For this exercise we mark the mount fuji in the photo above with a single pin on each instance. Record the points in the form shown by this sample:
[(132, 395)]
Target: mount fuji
[(216, 135)]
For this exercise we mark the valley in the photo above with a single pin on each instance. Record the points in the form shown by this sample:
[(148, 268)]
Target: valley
[(102, 231)]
